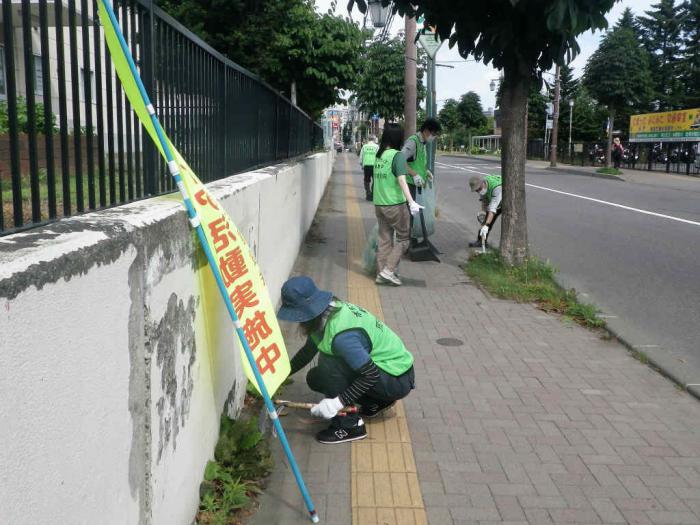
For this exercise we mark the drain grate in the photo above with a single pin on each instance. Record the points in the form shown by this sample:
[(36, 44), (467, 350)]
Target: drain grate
[(449, 341)]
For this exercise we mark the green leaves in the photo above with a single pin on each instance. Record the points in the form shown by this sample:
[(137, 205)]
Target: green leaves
[(379, 86), (617, 74), (284, 41)]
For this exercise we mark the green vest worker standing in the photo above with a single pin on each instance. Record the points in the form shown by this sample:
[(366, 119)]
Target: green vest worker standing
[(361, 360), (490, 188), (414, 149), (367, 155), (391, 194)]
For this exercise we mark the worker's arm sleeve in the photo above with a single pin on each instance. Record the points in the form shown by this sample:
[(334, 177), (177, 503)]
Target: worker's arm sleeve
[(354, 348), (495, 199), (399, 166), (409, 150), (303, 357)]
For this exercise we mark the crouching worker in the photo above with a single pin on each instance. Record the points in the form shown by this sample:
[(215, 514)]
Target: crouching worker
[(490, 190), (360, 359)]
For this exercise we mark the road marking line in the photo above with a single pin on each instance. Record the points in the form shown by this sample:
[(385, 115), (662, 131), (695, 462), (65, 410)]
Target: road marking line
[(615, 205), (599, 201)]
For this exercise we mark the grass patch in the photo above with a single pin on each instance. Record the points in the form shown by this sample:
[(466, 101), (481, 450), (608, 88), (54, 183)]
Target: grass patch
[(533, 282), (609, 171), (241, 460)]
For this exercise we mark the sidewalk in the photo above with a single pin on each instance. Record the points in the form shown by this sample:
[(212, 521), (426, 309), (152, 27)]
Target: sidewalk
[(518, 417), (628, 175)]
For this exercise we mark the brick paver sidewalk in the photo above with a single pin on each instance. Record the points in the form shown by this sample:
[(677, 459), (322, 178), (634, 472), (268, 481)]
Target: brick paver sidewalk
[(518, 417)]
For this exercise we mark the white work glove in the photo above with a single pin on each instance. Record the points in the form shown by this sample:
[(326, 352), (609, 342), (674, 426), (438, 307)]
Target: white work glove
[(417, 181), (415, 207), (484, 231), (327, 408)]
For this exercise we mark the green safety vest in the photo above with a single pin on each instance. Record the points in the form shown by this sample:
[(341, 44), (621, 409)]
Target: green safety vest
[(492, 182), (388, 351), (420, 163), (387, 191), (369, 153)]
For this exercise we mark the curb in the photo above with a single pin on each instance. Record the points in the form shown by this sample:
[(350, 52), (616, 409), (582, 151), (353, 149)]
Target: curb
[(650, 361), (654, 364)]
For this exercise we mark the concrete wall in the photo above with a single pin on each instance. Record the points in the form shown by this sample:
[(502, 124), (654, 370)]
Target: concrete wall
[(116, 354)]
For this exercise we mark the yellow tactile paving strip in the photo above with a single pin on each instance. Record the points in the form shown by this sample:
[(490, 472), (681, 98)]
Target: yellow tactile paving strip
[(385, 488)]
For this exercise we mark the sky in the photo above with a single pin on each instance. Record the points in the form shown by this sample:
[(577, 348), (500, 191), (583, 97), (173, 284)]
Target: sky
[(468, 75)]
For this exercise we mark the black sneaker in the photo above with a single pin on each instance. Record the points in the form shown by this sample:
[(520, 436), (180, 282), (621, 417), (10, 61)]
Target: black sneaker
[(375, 409), (336, 434), (477, 244)]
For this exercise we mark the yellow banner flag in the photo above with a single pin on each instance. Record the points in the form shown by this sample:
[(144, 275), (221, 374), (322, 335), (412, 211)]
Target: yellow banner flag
[(242, 278)]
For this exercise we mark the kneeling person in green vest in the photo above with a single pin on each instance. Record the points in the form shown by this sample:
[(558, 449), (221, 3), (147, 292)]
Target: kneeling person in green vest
[(490, 189), (360, 359)]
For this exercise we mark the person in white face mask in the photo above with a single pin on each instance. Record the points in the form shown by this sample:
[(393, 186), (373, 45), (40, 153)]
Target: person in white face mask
[(415, 152), (490, 190)]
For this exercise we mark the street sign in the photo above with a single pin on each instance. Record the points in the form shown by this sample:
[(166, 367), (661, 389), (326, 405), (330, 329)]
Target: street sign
[(430, 42), (674, 126), (550, 124)]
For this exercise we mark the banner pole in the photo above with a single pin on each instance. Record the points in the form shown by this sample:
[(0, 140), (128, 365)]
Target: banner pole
[(195, 222)]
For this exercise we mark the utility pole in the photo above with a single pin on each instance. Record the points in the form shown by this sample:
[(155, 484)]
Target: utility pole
[(409, 96), (555, 117), (431, 110)]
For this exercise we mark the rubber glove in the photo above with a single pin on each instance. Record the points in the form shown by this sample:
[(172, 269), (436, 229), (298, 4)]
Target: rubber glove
[(417, 181), (484, 231), (327, 408), (415, 207)]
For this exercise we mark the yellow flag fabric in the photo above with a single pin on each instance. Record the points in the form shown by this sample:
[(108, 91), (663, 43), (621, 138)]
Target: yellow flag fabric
[(245, 286)]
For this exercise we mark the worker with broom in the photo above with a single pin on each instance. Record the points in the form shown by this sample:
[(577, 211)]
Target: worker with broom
[(360, 359)]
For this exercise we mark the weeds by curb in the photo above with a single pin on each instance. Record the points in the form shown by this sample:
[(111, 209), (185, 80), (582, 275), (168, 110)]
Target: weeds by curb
[(242, 460), (609, 171), (533, 282)]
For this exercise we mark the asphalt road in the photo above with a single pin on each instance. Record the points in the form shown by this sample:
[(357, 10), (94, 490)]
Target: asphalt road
[(632, 249)]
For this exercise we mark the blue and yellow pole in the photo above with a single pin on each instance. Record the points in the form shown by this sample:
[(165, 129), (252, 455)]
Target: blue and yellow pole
[(196, 224)]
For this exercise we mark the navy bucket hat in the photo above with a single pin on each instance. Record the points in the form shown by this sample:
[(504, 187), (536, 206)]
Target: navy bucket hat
[(302, 300)]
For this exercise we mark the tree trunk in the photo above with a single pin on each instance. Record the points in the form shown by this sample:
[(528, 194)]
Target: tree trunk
[(611, 127), (516, 84)]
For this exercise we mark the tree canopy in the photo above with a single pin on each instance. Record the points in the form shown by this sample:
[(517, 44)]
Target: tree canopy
[(380, 82), (320, 53), (661, 31)]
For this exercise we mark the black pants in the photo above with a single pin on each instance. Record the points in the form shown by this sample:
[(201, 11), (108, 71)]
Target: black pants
[(369, 175), (332, 376), (495, 217), (413, 190)]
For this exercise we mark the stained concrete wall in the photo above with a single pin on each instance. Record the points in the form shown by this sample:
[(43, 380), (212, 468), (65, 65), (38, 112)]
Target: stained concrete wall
[(117, 356)]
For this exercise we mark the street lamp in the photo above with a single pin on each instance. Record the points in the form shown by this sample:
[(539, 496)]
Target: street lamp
[(378, 13), (571, 120)]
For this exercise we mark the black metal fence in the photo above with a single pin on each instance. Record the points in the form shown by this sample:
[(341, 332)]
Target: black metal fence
[(670, 157), (69, 142)]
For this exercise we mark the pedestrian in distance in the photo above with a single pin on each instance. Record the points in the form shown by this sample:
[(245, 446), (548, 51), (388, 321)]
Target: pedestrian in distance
[(617, 152), (414, 149), (391, 194), (490, 190), (367, 155), (360, 359)]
